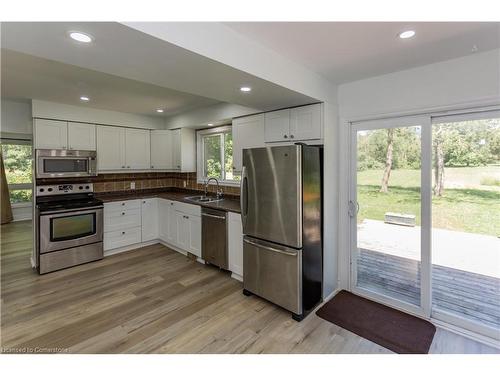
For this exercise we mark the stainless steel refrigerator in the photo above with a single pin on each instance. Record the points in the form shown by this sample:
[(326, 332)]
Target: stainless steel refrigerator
[(281, 212)]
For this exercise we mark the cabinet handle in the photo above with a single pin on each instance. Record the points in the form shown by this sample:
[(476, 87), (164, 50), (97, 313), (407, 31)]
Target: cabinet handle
[(285, 136), (291, 136), (123, 166), (64, 148), (171, 203), (123, 213), (128, 166), (123, 232), (152, 166), (123, 204), (179, 166)]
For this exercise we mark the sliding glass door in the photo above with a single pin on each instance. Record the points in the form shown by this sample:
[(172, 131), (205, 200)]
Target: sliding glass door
[(386, 206), (466, 221), (425, 216)]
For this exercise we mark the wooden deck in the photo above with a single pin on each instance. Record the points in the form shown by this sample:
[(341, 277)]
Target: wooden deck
[(469, 295)]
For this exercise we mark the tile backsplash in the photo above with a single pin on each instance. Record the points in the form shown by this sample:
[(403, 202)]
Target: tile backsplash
[(111, 182)]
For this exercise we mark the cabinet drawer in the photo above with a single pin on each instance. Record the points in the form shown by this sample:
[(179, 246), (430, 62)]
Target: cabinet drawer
[(117, 220), (122, 205), (124, 237), (188, 209)]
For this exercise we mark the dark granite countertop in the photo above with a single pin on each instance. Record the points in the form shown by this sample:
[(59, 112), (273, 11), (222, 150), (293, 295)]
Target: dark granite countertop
[(229, 203)]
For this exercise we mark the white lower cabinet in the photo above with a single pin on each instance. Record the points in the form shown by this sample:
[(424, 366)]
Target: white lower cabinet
[(134, 221), (149, 214), (122, 224), (235, 244)]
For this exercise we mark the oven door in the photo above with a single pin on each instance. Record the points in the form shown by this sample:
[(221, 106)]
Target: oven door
[(62, 230), (65, 163)]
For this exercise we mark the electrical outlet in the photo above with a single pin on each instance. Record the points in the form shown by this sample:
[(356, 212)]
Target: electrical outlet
[(184, 183), (132, 186)]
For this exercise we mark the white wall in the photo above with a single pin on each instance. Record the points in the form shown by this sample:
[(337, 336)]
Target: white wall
[(216, 114), (44, 109), (16, 117), (474, 78), (466, 82)]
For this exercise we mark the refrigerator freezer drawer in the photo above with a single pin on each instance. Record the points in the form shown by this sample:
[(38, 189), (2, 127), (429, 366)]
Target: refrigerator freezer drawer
[(273, 272)]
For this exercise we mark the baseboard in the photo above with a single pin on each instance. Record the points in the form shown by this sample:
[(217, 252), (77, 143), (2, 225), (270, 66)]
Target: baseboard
[(236, 276)]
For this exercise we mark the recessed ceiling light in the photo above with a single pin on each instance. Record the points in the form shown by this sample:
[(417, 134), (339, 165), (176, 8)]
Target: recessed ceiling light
[(80, 37), (245, 89), (407, 34), (84, 98), (159, 110), (210, 124)]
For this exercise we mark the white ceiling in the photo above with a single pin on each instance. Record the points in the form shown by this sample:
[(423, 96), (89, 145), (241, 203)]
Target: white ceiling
[(127, 53), (349, 51), (26, 76)]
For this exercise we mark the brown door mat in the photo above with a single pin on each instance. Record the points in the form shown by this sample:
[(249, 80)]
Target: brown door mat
[(395, 330)]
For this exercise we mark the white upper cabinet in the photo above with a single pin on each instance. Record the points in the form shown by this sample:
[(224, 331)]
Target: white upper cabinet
[(81, 136), (161, 149), (248, 132), (51, 134), (277, 126), (306, 122), (295, 124), (110, 148), (184, 150), (137, 149)]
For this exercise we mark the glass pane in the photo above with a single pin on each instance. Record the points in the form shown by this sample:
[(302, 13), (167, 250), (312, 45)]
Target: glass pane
[(65, 228), (228, 157), (65, 165), (466, 220), (17, 163), (388, 221), (20, 196), (212, 156)]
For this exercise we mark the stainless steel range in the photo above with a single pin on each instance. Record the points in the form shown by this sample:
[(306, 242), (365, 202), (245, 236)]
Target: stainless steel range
[(69, 226)]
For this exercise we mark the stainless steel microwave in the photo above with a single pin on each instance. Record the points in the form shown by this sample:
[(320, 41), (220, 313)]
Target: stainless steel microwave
[(65, 163)]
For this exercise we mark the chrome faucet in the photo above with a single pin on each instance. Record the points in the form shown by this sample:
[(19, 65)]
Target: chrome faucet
[(218, 192)]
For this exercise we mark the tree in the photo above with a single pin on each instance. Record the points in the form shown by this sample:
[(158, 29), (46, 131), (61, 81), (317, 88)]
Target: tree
[(439, 163), (388, 161)]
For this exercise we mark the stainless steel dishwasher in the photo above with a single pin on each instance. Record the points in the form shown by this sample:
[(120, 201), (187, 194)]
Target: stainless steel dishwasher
[(214, 237)]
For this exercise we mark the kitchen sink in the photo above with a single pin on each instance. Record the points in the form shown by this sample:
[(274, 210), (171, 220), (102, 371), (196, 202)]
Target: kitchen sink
[(203, 199)]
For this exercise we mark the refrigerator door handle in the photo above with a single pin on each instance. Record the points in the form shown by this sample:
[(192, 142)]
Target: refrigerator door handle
[(257, 244), (244, 196)]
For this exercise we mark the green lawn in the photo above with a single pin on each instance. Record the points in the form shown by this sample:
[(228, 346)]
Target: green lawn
[(475, 210)]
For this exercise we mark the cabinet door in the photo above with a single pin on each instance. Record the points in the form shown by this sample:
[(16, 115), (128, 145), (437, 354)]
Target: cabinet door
[(51, 134), (110, 148), (306, 123), (182, 230), (176, 149), (137, 149), (235, 244), (81, 136), (161, 149), (149, 213), (187, 150), (248, 132), (163, 206), (277, 126), (172, 223), (194, 223)]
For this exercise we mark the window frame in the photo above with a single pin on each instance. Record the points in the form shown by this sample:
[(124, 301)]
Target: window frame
[(200, 146), (21, 186)]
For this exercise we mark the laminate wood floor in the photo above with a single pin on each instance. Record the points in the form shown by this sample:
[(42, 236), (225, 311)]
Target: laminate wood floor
[(155, 300)]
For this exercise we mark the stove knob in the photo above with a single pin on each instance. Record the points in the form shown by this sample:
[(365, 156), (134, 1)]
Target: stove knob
[(42, 190), (87, 187), (49, 189), (80, 187)]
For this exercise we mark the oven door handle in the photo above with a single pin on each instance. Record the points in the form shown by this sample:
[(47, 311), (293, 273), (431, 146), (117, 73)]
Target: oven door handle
[(82, 210)]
